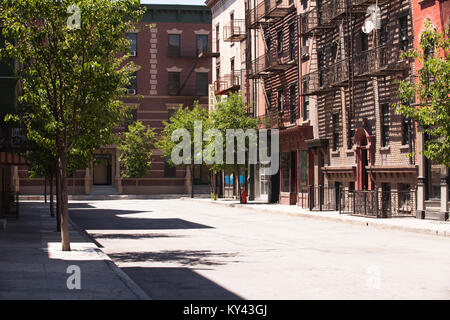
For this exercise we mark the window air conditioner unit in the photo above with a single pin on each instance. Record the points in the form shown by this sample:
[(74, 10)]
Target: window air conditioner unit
[(131, 91)]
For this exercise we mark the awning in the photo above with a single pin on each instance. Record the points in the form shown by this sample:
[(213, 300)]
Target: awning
[(11, 158)]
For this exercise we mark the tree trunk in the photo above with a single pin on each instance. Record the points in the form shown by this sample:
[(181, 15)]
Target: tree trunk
[(65, 238), (52, 210), (192, 180), (213, 183), (45, 189), (58, 200)]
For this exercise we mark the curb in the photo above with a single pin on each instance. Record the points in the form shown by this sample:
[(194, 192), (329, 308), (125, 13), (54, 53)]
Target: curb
[(129, 283), (368, 222), (114, 197)]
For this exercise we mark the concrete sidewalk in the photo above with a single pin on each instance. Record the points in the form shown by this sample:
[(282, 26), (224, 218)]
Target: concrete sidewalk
[(32, 265), (438, 228)]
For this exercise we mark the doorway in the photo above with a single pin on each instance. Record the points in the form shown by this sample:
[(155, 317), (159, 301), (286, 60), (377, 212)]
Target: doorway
[(102, 172)]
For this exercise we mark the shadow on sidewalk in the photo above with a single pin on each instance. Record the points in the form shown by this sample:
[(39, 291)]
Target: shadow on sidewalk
[(178, 284)]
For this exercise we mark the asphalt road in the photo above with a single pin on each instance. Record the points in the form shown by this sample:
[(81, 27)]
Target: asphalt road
[(176, 249)]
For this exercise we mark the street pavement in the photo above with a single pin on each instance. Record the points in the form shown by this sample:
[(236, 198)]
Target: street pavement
[(176, 249), (33, 267)]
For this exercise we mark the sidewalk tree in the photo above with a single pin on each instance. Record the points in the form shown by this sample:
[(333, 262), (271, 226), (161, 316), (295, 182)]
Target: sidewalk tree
[(184, 119), (431, 91), (73, 68), (136, 146), (231, 114)]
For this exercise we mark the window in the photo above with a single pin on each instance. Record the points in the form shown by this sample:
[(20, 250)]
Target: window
[(292, 45), (217, 38), (385, 118), (334, 51), (132, 87), (285, 171), (383, 33), (351, 132), (306, 108), (406, 133), (292, 99), (174, 83), (268, 42), (169, 171), (202, 43), (280, 100), (132, 38), (335, 131), (201, 83), (174, 45), (232, 65), (403, 28), (280, 40), (305, 4), (364, 41)]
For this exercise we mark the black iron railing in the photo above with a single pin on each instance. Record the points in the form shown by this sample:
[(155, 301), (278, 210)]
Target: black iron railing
[(323, 198), (228, 83), (326, 78), (235, 31), (377, 203), (268, 11)]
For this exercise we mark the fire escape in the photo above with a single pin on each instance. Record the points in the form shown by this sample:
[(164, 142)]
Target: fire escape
[(235, 31), (335, 68), (272, 62)]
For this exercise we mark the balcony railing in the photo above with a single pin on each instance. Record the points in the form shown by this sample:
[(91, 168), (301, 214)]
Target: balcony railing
[(271, 62), (268, 11), (228, 83), (210, 50), (326, 78), (380, 60), (234, 31), (319, 19)]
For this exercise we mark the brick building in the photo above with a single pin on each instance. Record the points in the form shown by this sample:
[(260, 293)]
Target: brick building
[(433, 179), (172, 46)]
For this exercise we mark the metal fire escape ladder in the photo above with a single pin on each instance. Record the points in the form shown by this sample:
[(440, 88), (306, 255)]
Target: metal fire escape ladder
[(188, 76)]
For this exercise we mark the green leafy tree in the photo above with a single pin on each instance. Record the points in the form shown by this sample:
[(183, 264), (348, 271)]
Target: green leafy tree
[(184, 119), (230, 114), (136, 148), (73, 69), (431, 92)]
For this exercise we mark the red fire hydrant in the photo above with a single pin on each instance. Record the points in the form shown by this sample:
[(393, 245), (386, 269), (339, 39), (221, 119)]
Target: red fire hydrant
[(244, 197)]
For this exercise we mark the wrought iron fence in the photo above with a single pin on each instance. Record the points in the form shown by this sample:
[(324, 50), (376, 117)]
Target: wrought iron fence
[(323, 198), (235, 31), (9, 205), (377, 203)]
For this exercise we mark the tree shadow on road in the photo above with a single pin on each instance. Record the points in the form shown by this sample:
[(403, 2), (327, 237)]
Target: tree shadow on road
[(178, 284), (183, 257)]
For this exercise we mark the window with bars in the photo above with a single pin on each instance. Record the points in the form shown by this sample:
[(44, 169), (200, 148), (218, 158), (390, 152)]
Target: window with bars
[(174, 83), (336, 131), (385, 119)]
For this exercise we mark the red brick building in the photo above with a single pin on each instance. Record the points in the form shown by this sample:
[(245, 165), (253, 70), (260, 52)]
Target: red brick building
[(433, 179), (167, 45)]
